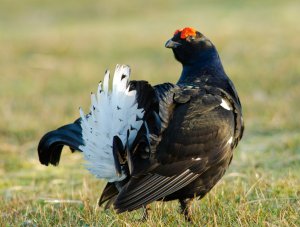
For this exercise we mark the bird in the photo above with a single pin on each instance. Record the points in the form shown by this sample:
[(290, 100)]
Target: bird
[(171, 141)]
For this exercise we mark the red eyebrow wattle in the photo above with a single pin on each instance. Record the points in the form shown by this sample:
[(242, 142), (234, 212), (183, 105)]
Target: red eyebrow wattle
[(188, 31)]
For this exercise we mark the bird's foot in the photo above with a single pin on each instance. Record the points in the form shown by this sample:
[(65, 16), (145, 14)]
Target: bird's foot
[(185, 209), (146, 210)]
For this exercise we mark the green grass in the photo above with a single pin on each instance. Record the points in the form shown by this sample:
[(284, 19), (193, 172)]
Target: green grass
[(53, 54)]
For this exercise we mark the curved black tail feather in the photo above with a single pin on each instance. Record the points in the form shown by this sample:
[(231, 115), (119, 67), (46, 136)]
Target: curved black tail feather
[(51, 144)]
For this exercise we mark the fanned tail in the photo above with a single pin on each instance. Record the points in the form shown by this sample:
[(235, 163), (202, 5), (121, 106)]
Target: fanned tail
[(111, 126), (112, 113)]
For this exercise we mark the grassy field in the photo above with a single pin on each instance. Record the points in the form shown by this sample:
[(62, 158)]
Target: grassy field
[(53, 53)]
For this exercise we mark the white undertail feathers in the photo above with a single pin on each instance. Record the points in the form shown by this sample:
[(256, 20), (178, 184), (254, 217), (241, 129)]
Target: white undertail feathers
[(113, 112)]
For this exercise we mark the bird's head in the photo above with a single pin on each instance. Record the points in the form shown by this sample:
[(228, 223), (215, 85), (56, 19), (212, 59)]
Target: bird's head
[(189, 45)]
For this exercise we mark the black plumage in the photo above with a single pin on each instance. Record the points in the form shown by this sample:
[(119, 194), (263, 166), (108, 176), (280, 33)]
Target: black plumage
[(187, 138), (51, 144)]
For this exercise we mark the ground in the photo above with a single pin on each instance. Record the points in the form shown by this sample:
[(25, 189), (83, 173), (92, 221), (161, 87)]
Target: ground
[(54, 53)]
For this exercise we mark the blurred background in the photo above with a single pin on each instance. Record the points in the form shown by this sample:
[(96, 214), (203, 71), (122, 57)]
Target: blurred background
[(54, 53)]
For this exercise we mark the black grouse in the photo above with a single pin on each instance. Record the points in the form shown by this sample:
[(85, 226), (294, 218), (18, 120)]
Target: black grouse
[(163, 142)]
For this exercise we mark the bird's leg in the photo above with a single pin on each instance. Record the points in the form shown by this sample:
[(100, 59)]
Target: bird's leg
[(185, 208), (145, 212)]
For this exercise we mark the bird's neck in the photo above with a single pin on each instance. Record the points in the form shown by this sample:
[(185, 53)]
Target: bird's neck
[(206, 67)]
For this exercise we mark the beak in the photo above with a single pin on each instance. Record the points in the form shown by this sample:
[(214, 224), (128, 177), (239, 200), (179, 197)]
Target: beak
[(172, 44)]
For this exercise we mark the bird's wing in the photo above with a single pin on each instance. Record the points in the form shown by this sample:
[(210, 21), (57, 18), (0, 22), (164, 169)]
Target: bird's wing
[(144, 189), (196, 136), (109, 192), (51, 144)]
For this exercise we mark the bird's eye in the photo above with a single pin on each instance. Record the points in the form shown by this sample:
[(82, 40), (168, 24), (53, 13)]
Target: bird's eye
[(190, 38)]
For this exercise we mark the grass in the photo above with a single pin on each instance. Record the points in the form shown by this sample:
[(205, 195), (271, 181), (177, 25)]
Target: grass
[(53, 54)]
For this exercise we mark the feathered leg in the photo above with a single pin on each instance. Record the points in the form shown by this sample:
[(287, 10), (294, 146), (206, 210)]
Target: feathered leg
[(185, 208), (146, 210)]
